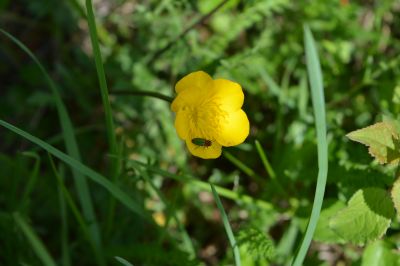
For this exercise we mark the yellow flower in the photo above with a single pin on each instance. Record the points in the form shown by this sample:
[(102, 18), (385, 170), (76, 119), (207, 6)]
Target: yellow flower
[(210, 111)]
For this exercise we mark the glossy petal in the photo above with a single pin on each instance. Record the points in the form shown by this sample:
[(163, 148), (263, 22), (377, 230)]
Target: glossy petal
[(189, 98), (211, 152), (234, 129), (182, 124), (193, 81), (229, 94)]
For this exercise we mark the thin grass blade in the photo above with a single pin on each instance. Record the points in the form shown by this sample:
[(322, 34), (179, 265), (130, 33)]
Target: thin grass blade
[(233, 195), (318, 100), (37, 244), (112, 140), (269, 168), (75, 211), (93, 175), (65, 254), (70, 143), (227, 226)]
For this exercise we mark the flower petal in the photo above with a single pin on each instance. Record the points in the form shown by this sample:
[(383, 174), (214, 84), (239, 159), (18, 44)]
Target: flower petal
[(198, 79), (234, 129), (182, 124), (229, 94), (210, 152)]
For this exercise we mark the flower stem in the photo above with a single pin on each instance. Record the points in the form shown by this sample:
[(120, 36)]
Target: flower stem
[(144, 93)]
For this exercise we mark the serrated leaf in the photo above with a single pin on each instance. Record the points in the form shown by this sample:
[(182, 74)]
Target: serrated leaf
[(382, 139), (323, 232), (379, 253), (395, 192), (257, 244), (366, 217)]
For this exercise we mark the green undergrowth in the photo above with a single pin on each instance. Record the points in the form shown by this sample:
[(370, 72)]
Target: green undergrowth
[(92, 171)]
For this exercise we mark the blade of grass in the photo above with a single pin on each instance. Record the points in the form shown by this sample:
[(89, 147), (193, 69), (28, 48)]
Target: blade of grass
[(32, 180), (185, 236), (247, 170), (66, 258), (37, 245), (317, 93), (269, 168), (287, 243), (227, 226), (93, 175), (123, 261), (70, 143), (112, 140), (204, 185), (75, 211)]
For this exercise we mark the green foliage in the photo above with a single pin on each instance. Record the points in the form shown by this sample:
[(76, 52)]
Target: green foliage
[(256, 245), (157, 207), (380, 253), (324, 232), (395, 192), (367, 216), (382, 139)]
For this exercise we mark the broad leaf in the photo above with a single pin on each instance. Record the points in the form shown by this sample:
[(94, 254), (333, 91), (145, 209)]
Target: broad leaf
[(382, 140), (380, 253), (323, 232), (366, 217), (396, 195)]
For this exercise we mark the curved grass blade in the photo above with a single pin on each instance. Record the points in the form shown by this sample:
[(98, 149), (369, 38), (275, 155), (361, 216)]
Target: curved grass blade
[(269, 168), (317, 93), (34, 240), (96, 177), (227, 226), (112, 140), (75, 211), (70, 144), (229, 194), (170, 210)]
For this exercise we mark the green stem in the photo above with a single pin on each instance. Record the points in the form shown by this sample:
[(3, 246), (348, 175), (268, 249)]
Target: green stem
[(183, 33), (144, 93)]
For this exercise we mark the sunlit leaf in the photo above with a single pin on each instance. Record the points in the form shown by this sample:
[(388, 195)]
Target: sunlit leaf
[(323, 232), (366, 217), (256, 244), (382, 139), (396, 195), (380, 253)]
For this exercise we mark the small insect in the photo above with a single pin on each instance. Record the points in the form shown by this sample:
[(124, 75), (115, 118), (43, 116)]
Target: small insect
[(202, 142)]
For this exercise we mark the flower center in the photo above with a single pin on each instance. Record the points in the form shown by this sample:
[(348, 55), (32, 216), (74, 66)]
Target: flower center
[(205, 119)]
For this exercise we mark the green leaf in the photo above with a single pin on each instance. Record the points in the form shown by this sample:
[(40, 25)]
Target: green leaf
[(323, 232), (256, 244), (123, 261), (382, 139), (380, 253), (395, 192), (366, 217)]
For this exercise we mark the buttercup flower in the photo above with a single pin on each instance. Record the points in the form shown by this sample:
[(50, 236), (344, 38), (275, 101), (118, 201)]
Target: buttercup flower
[(209, 114)]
